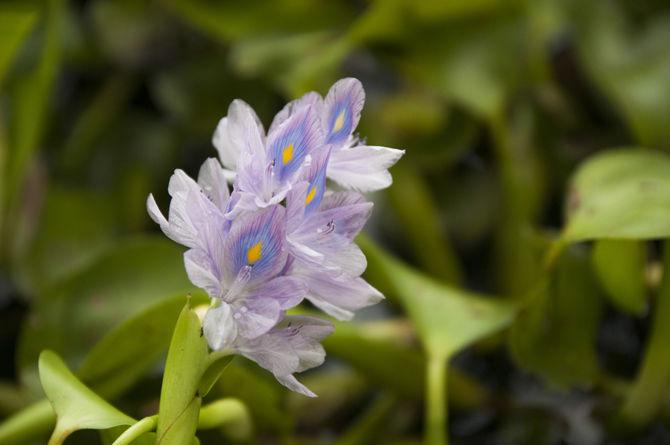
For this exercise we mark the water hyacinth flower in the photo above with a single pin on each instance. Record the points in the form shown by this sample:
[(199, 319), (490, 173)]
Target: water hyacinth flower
[(279, 236)]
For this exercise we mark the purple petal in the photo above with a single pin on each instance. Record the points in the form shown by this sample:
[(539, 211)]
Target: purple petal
[(337, 295), (292, 141), (256, 240), (312, 98), (293, 346), (203, 271), (363, 168), (346, 218), (295, 205), (194, 221), (350, 260), (213, 182), (238, 132), (256, 315), (342, 110), (287, 291), (326, 237)]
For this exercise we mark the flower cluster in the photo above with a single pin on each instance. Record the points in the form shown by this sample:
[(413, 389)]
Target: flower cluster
[(279, 236)]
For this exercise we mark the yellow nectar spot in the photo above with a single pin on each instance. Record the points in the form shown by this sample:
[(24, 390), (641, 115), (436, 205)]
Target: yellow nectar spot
[(339, 122), (287, 154), (310, 195), (255, 253)]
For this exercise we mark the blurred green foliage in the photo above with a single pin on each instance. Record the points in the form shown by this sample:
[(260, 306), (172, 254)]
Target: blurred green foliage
[(526, 244)]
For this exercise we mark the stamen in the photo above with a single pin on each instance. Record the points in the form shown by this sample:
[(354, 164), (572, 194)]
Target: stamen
[(330, 228)]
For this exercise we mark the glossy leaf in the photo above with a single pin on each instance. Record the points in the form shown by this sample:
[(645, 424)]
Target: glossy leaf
[(620, 194), (447, 319), (214, 367), (119, 359), (180, 400), (620, 267), (76, 406)]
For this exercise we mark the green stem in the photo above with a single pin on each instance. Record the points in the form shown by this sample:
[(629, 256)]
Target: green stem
[(143, 426), (436, 405), (648, 392)]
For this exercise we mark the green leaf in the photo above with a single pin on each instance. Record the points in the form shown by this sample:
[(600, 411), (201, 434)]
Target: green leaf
[(555, 336), (630, 62), (74, 227), (447, 319), (34, 421), (180, 400), (74, 315), (471, 62), (31, 99), (76, 406), (378, 360), (295, 63), (620, 194), (117, 362), (647, 394), (234, 20), (16, 20), (214, 367), (418, 213), (119, 359), (620, 266)]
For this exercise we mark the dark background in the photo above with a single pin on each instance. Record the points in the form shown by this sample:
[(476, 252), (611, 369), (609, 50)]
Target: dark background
[(495, 102)]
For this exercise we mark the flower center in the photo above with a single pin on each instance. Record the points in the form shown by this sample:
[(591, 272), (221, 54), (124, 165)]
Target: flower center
[(254, 253), (310, 195), (339, 122), (287, 154)]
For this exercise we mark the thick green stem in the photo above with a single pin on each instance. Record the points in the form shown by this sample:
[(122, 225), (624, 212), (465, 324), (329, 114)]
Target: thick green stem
[(436, 401), (143, 426), (649, 389)]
